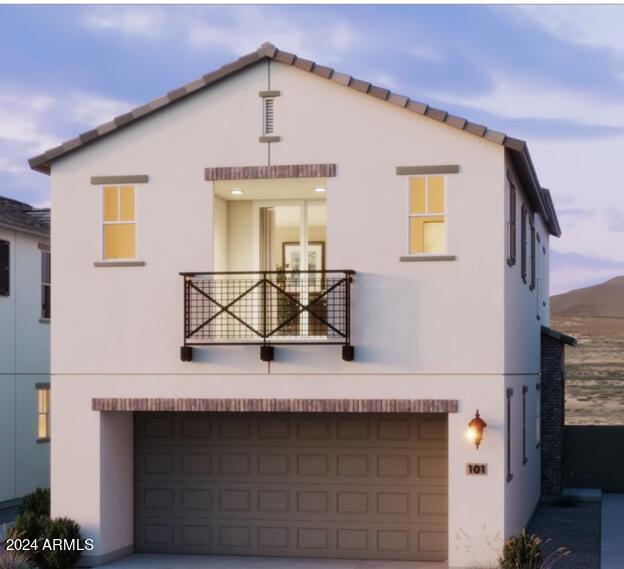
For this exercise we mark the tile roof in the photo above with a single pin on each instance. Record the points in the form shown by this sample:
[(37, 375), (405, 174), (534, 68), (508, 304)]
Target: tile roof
[(518, 150), (18, 215)]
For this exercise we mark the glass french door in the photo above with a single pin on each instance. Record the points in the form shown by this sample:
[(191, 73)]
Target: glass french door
[(292, 238)]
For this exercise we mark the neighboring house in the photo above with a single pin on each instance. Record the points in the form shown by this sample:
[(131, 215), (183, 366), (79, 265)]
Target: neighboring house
[(344, 434), (24, 350)]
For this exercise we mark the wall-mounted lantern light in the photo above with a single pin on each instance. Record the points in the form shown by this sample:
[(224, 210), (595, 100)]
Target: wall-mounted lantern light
[(475, 429)]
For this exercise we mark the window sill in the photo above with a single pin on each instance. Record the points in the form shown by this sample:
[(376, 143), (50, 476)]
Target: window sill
[(43, 440), (44, 320), (119, 264), (420, 258)]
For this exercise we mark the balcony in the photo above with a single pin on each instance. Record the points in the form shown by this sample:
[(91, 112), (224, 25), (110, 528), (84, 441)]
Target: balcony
[(267, 308)]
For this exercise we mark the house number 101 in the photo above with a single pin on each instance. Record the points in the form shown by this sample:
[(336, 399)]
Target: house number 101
[(476, 469)]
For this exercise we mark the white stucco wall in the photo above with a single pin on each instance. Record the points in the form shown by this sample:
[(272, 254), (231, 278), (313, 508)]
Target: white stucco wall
[(421, 329), (24, 362)]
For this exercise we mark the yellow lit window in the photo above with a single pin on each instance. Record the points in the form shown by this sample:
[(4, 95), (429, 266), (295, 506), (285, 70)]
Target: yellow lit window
[(43, 412), (119, 222), (427, 215)]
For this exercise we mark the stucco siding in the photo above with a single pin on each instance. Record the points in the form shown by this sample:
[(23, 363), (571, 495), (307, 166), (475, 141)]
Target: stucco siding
[(24, 362), (367, 139)]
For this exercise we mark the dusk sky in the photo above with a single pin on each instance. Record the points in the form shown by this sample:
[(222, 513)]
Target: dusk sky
[(551, 75)]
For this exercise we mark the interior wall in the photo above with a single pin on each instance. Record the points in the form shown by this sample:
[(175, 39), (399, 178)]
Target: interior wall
[(220, 213), (239, 236)]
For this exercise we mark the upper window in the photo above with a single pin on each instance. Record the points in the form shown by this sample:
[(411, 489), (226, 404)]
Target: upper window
[(45, 284), (43, 412), (427, 215), (511, 225), (4, 268), (118, 222)]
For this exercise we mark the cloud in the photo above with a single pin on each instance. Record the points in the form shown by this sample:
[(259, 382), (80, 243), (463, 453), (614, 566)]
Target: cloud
[(615, 218), (572, 270), (32, 122), (573, 211), (145, 21), (515, 98), (585, 25), (242, 29)]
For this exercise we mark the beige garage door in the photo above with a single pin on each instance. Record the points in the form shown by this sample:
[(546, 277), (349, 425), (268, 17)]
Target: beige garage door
[(305, 485)]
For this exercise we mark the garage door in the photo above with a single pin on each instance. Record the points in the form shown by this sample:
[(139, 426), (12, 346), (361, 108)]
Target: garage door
[(306, 485)]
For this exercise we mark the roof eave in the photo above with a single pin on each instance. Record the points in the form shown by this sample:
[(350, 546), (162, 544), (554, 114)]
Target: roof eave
[(30, 231)]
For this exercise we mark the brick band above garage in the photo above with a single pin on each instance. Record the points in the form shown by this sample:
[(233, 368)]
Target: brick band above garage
[(279, 405), (271, 172)]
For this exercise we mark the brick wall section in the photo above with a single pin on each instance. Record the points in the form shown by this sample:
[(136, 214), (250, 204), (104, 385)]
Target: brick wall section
[(553, 414), (271, 172), (279, 405)]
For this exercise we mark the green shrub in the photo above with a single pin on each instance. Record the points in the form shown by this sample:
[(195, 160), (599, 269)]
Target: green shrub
[(37, 502), (30, 525), (65, 529), (522, 552), (14, 560)]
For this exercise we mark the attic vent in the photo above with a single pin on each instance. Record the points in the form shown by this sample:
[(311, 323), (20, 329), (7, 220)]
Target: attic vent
[(269, 116), (4, 268)]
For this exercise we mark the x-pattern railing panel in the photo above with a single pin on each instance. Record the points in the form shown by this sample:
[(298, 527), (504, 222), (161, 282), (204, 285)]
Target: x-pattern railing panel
[(267, 307)]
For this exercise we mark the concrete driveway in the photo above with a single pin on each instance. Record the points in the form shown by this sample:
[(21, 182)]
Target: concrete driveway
[(152, 561)]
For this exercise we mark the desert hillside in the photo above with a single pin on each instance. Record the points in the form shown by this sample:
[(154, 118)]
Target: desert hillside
[(604, 300), (595, 368)]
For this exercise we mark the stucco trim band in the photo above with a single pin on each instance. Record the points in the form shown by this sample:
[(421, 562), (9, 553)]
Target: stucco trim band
[(270, 172), (130, 179), (421, 258), (278, 405), (420, 170), (119, 264)]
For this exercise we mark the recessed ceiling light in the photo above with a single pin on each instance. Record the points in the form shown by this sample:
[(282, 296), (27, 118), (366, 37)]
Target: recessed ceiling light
[(236, 192), (320, 190)]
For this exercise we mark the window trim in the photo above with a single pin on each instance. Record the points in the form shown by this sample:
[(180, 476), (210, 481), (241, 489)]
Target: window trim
[(532, 253), (525, 458), (538, 415), (512, 222), (7, 292), (43, 387), (509, 395), (523, 243), (103, 260), (46, 317), (439, 255)]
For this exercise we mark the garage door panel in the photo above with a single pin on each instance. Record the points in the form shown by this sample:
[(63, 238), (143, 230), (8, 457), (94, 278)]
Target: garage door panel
[(358, 503), (315, 464), (303, 429), (363, 486)]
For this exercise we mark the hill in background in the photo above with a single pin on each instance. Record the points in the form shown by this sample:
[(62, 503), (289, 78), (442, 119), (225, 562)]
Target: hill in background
[(595, 368)]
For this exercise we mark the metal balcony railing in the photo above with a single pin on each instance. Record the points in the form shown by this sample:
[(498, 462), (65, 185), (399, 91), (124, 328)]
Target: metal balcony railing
[(267, 308)]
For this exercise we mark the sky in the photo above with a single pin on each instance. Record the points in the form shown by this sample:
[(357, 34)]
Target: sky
[(551, 75)]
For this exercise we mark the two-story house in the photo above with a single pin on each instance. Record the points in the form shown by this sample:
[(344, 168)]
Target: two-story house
[(281, 295), (24, 350)]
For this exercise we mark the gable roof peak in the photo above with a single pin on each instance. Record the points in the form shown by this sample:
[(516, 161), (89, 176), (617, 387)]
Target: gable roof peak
[(517, 148)]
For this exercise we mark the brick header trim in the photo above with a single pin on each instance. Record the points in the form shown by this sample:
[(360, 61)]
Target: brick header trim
[(279, 405), (271, 172)]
